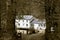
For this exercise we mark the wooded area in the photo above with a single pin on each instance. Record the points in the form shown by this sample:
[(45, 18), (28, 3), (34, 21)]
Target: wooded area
[(7, 11), (52, 14), (10, 8)]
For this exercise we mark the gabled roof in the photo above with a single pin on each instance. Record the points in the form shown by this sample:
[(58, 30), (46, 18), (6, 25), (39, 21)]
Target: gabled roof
[(32, 19), (27, 17), (37, 21)]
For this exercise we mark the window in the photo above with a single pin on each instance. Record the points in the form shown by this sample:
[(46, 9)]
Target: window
[(26, 24), (18, 24), (23, 20), (41, 25), (27, 20), (44, 25)]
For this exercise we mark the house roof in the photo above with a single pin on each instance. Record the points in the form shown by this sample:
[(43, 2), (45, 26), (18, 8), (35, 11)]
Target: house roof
[(27, 17), (32, 19), (37, 21)]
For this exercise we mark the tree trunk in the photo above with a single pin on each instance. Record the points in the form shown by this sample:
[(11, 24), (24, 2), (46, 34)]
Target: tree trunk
[(52, 19)]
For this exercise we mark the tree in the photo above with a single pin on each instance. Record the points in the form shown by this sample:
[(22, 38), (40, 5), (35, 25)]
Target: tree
[(52, 19), (7, 19), (31, 7)]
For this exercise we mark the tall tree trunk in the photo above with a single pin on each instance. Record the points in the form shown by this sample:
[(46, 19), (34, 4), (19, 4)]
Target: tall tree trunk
[(52, 19), (7, 19)]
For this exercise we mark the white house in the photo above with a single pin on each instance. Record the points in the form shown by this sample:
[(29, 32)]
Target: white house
[(27, 21)]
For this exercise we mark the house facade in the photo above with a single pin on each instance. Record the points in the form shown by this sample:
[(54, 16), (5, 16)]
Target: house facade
[(22, 23), (28, 21)]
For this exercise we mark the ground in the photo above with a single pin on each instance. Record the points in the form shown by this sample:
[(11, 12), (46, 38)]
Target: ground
[(37, 36)]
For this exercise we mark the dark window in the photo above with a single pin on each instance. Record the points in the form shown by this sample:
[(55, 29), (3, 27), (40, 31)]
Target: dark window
[(41, 25), (18, 24), (27, 20), (26, 24), (44, 24), (23, 20)]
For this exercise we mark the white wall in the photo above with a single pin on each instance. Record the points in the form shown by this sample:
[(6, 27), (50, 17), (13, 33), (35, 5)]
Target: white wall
[(35, 26), (23, 23), (39, 26), (22, 31)]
